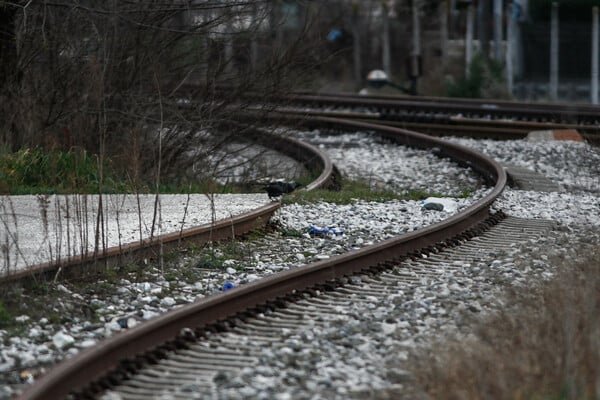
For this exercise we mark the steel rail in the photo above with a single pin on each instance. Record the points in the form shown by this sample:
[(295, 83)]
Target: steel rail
[(462, 100), (498, 108), (444, 116), (91, 364), (90, 263)]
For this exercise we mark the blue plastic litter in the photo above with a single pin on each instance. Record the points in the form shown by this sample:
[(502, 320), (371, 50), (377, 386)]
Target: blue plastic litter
[(337, 231), (227, 285), (318, 231)]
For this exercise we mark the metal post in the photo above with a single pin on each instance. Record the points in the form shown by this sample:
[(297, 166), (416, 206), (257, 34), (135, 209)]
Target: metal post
[(553, 92), (469, 40), (416, 39), (416, 46), (387, 59), (510, 30), (484, 18), (498, 30), (444, 32), (594, 83), (356, 48)]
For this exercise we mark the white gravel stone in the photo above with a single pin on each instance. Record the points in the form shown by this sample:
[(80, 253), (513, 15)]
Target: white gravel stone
[(168, 302), (62, 340)]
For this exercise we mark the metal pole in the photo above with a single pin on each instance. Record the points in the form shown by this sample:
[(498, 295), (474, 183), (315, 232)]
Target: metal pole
[(594, 83), (387, 59), (356, 48), (510, 29), (416, 45), (553, 92), (498, 30), (444, 32), (469, 40), (416, 28), (484, 18)]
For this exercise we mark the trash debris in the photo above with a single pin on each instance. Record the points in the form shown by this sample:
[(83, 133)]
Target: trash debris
[(26, 376), (337, 231), (127, 322), (440, 204), (433, 206), (227, 285), (318, 231)]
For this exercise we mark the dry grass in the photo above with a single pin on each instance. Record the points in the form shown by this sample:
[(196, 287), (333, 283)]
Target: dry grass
[(545, 345)]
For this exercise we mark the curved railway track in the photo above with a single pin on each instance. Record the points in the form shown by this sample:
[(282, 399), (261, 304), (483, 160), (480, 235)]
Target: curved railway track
[(177, 336), (317, 162)]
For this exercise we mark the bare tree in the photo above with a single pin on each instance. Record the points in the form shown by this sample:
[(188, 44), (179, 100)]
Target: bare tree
[(105, 75)]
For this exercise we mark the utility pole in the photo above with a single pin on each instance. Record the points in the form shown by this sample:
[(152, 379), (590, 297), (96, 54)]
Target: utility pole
[(553, 92)]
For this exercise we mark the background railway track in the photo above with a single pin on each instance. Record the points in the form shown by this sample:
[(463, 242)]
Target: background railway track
[(458, 117)]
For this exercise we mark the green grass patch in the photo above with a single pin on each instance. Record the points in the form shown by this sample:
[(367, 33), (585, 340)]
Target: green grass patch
[(353, 191), (36, 171)]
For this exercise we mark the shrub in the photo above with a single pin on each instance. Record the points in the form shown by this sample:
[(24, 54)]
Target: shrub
[(485, 80)]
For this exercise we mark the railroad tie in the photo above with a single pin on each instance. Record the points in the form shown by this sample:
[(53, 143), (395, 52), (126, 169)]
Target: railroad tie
[(526, 179)]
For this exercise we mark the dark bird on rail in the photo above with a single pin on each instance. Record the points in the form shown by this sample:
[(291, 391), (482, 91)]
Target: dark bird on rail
[(278, 188)]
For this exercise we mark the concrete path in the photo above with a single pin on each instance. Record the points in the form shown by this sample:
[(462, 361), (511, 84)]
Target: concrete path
[(38, 229)]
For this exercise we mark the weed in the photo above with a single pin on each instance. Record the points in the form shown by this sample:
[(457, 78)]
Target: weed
[(353, 190), (485, 79), (543, 345), (5, 317), (37, 171), (171, 276), (291, 233)]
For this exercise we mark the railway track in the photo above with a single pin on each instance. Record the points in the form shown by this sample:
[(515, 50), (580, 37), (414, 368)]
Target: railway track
[(203, 364), (458, 117), (132, 351), (204, 338)]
